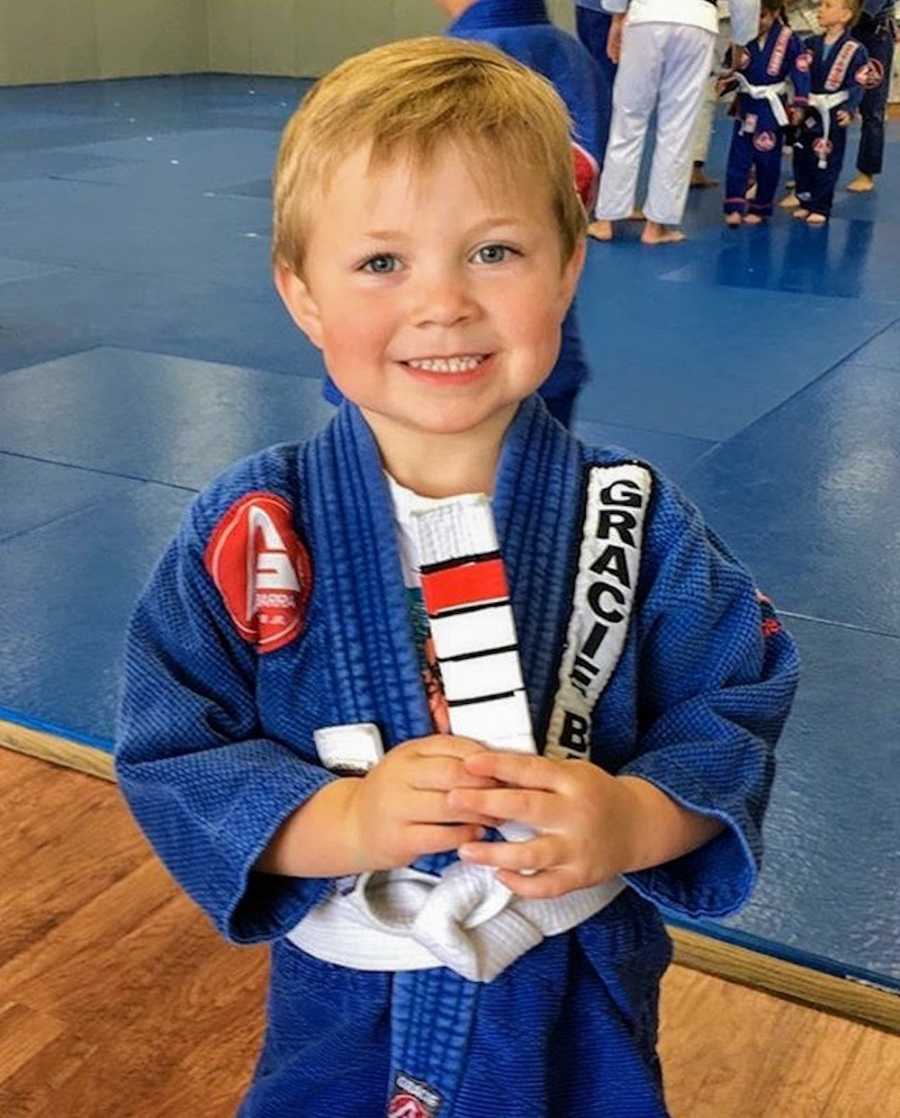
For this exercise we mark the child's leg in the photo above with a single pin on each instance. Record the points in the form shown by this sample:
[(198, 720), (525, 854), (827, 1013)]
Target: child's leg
[(634, 96), (737, 173), (688, 56), (804, 170), (768, 171), (825, 178)]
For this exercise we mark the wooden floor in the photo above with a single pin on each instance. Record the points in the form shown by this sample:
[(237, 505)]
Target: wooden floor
[(118, 1001)]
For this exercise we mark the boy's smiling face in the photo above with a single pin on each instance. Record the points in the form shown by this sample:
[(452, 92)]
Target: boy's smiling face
[(436, 302)]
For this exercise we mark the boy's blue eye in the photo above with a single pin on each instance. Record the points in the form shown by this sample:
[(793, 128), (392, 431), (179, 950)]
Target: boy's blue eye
[(381, 265), (493, 254)]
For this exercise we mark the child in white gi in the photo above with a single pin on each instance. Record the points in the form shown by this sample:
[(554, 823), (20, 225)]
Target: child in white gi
[(665, 51)]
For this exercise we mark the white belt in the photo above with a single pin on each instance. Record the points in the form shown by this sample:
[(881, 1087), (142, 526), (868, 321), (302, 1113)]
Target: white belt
[(466, 920), (770, 93), (823, 103)]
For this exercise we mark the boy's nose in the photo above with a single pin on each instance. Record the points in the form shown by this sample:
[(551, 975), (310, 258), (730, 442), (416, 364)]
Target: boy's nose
[(442, 301)]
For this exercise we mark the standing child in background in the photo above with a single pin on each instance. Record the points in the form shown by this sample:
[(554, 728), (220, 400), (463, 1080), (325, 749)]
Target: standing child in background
[(276, 740), (840, 74), (876, 29), (761, 70)]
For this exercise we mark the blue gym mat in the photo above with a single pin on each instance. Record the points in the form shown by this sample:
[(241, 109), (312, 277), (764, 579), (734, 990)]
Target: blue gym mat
[(142, 348)]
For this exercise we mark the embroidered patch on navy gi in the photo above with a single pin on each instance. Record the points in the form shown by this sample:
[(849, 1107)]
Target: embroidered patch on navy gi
[(804, 61), (413, 1099), (765, 141), (871, 75), (776, 61), (261, 569), (822, 147)]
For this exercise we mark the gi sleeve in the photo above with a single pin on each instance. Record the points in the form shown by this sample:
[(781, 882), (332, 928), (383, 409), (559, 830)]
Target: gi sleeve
[(744, 20), (860, 79), (799, 63), (208, 789), (717, 678)]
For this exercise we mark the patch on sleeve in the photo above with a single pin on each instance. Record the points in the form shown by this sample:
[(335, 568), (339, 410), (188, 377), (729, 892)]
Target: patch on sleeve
[(870, 75), (771, 626), (261, 569), (587, 176)]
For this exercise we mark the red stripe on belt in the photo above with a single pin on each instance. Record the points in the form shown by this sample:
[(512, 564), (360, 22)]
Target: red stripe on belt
[(464, 586)]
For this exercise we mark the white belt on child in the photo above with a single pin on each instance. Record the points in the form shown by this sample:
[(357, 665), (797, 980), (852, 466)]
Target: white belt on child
[(398, 920), (823, 103), (770, 93)]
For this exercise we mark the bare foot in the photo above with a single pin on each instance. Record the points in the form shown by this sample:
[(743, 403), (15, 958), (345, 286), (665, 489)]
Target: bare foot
[(801, 214), (732, 219), (601, 230), (700, 180), (656, 234), (753, 219), (636, 215), (789, 201), (751, 193), (815, 219), (862, 184)]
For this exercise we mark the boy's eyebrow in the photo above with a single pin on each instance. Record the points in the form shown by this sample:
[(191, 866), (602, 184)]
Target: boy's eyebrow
[(487, 223)]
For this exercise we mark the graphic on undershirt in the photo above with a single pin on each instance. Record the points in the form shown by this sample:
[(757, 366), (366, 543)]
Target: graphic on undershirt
[(428, 662)]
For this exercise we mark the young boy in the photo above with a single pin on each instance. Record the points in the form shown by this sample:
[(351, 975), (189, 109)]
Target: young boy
[(761, 70), (840, 74), (428, 238)]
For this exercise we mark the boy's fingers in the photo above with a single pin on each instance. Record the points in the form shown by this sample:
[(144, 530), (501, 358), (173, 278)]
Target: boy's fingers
[(537, 854), (435, 839), (539, 886), (540, 809), (521, 770), (443, 773), (432, 807), (446, 745)]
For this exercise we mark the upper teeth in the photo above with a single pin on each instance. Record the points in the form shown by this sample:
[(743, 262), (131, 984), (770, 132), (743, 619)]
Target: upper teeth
[(447, 364)]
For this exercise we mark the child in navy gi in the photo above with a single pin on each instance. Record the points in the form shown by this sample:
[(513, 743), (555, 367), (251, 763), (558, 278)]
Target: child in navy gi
[(276, 739), (761, 70), (840, 73)]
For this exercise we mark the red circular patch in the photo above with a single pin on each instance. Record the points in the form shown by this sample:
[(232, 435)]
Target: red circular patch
[(822, 147), (406, 1106), (765, 141), (586, 176), (261, 569), (804, 61)]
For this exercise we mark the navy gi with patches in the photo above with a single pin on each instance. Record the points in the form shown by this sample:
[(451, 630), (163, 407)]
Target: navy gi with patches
[(215, 750), (523, 30), (758, 136), (842, 66)]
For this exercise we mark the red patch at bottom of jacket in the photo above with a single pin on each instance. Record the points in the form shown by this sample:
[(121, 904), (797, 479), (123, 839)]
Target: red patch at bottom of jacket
[(412, 1098)]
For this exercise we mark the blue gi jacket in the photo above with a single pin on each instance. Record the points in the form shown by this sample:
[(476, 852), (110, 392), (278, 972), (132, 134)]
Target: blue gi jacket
[(844, 67), (230, 669), (781, 57)]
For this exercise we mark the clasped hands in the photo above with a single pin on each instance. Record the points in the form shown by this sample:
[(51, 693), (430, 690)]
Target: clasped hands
[(439, 793)]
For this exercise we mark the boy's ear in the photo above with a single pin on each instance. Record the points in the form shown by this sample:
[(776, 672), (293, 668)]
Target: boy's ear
[(299, 303), (572, 270)]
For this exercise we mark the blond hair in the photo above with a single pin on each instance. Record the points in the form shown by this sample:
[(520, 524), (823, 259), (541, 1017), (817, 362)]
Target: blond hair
[(408, 98)]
